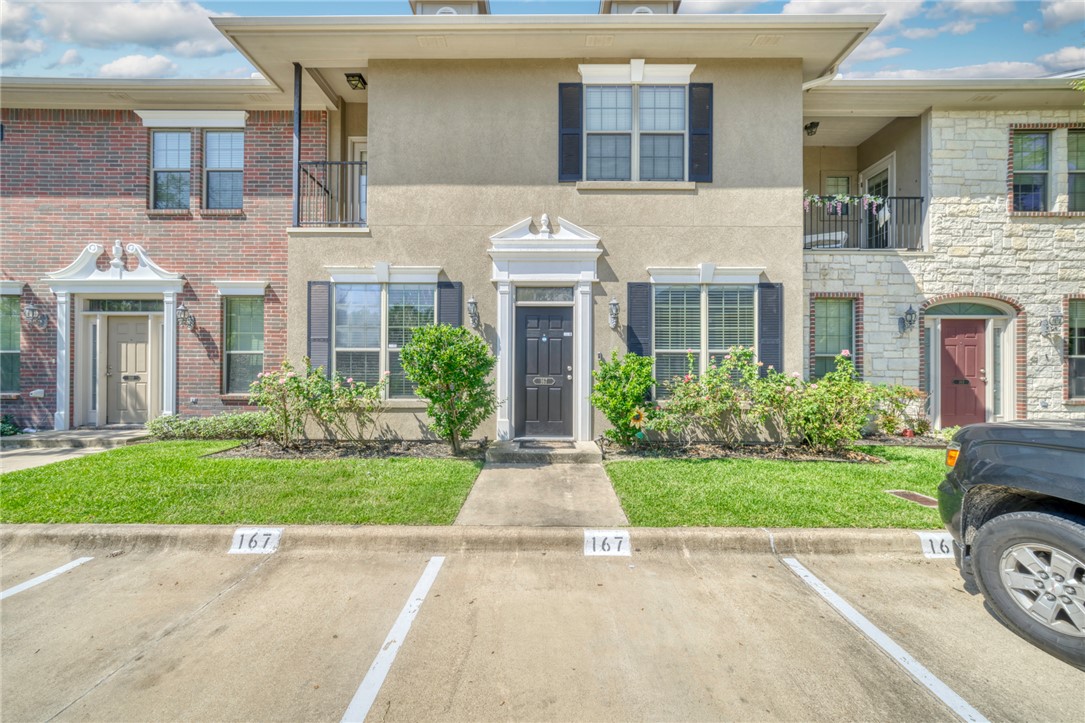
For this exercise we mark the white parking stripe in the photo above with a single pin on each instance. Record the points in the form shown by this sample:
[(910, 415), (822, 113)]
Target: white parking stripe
[(42, 578), (378, 671), (923, 676)]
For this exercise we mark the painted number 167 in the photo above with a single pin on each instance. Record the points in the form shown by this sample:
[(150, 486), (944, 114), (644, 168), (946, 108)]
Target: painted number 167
[(256, 541)]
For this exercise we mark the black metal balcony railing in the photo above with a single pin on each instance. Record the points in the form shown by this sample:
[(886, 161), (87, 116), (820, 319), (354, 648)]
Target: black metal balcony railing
[(332, 193), (895, 224)]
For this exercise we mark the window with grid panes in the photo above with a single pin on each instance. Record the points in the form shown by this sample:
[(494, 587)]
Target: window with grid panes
[(1075, 165), (10, 355), (171, 169), (244, 341), (409, 307), (224, 163), (1030, 170), (1077, 349), (683, 345), (834, 331), (837, 186), (358, 331), (635, 132)]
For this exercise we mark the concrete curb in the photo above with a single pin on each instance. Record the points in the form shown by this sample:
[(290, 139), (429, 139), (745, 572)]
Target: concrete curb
[(216, 538)]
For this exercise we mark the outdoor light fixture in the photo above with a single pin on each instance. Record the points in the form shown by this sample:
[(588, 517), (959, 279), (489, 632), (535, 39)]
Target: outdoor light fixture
[(356, 81), (1051, 326), (472, 311), (34, 315), (615, 308), (907, 322), (184, 318), (811, 128)]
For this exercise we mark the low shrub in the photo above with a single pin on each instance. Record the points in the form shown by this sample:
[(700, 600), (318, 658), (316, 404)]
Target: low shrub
[(8, 427), (285, 395), (231, 425), (344, 409), (450, 368), (621, 393), (898, 408), (832, 411)]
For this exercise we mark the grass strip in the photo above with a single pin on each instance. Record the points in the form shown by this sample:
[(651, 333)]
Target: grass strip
[(173, 483), (764, 493)]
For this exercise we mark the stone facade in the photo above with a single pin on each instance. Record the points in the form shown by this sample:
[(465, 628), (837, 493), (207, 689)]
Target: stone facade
[(975, 248)]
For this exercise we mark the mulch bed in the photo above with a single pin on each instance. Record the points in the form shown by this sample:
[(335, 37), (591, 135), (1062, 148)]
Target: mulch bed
[(898, 441), (707, 450), (421, 449)]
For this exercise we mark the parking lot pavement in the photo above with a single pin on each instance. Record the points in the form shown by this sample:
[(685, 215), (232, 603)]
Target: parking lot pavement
[(532, 634)]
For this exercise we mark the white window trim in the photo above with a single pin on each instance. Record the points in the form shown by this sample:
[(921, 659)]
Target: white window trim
[(206, 170), (383, 272), (226, 353), (636, 72), (384, 350), (241, 288), (193, 118), (634, 134), (18, 350), (11, 288)]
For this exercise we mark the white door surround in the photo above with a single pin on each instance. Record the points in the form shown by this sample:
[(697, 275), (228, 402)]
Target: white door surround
[(565, 257), (83, 277)]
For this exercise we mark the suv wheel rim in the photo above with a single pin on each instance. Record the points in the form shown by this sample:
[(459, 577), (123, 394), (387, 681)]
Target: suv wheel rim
[(1048, 584)]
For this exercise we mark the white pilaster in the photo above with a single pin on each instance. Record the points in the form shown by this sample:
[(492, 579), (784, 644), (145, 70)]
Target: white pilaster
[(169, 353), (60, 418), (582, 321), (503, 351)]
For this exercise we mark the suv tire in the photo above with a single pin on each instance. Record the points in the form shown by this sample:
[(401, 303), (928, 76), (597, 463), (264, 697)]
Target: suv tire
[(1033, 599)]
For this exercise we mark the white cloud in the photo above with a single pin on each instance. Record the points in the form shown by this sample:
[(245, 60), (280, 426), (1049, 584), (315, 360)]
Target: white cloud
[(957, 27), (139, 66), (17, 52), (1071, 57), (16, 45), (979, 7), (1057, 14), (705, 7), (71, 56), (176, 26), (984, 70), (874, 49), (895, 11)]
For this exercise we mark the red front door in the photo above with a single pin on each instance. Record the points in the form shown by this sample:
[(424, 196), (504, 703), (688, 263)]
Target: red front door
[(964, 372)]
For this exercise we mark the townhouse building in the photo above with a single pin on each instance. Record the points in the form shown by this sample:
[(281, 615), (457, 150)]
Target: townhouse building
[(567, 186)]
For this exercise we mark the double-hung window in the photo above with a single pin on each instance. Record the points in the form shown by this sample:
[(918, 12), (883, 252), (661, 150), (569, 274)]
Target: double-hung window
[(244, 349), (10, 328), (372, 323), (834, 331), (171, 169), (1077, 349), (635, 132), (1031, 165), (224, 161), (1075, 166), (696, 325)]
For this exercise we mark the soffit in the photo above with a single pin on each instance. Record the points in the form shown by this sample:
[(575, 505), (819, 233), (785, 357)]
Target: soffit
[(843, 130), (65, 93), (274, 44), (895, 98)]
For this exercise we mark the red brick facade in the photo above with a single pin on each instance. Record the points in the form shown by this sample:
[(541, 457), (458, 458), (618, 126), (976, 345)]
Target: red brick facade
[(73, 177)]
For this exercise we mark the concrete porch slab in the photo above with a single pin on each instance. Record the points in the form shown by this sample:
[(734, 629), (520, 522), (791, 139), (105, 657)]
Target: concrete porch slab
[(100, 438), (543, 495)]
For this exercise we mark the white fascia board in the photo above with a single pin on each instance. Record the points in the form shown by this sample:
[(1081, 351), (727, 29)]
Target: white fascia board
[(193, 118), (383, 273), (706, 273), (241, 288), (114, 287), (635, 72), (11, 288)]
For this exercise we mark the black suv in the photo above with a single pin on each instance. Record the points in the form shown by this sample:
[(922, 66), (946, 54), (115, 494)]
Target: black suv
[(1014, 501)]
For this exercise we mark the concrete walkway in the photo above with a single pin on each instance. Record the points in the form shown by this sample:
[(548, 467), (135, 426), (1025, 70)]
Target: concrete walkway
[(543, 495), (23, 451)]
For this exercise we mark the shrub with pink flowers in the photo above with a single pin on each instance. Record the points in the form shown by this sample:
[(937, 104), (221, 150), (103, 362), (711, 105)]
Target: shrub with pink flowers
[(282, 393)]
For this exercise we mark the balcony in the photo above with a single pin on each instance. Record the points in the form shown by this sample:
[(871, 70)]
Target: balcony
[(332, 194), (895, 222)]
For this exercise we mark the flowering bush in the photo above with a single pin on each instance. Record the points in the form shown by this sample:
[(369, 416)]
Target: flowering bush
[(283, 394), (832, 411), (897, 409), (344, 408), (836, 203), (621, 393), (451, 367)]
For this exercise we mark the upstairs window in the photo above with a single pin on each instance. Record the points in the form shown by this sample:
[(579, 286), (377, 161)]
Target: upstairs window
[(1075, 165), (224, 161), (171, 169), (646, 144), (1030, 170)]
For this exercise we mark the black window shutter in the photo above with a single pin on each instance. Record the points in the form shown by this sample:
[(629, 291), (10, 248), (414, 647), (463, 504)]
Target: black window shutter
[(700, 132), (450, 302), (638, 313), (319, 348), (770, 326), (570, 122)]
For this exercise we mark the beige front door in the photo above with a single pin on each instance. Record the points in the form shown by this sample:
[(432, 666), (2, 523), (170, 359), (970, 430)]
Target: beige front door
[(127, 377)]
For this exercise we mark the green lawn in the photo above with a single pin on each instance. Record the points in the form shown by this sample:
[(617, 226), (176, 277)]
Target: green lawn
[(171, 483), (755, 493)]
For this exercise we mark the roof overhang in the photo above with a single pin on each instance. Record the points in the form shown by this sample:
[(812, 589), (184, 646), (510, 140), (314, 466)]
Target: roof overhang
[(63, 93), (273, 44)]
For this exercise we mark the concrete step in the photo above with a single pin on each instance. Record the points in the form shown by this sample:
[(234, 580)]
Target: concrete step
[(76, 438), (543, 452)]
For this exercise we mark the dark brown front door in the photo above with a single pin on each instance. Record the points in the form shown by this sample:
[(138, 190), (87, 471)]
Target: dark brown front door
[(544, 371), (964, 373)]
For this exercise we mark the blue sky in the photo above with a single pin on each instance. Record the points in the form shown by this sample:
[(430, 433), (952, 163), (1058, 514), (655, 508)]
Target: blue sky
[(174, 39)]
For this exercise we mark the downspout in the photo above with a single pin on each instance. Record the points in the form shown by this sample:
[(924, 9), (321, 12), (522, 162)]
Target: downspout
[(811, 84), (296, 160)]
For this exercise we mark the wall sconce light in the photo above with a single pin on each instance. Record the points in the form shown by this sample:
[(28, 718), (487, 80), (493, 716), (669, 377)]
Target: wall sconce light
[(356, 81), (184, 318), (34, 315), (472, 312), (907, 322), (811, 128), (615, 309), (1051, 326)]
